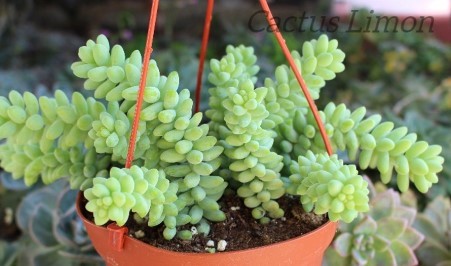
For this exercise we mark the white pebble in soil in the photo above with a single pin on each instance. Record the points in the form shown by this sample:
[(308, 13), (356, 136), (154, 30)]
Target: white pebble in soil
[(194, 230), (210, 243), (222, 245), (139, 234), (234, 208)]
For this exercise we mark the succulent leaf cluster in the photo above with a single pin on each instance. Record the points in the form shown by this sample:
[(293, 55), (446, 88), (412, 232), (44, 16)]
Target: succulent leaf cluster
[(141, 190), (435, 224), (375, 144), (320, 61), (383, 236), (246, 144), (46, 137), (325, 185), (108, 72), (238, 64), (170, 137)]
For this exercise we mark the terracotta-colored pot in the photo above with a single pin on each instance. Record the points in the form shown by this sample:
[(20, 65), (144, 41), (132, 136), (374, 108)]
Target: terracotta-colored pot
[(117, 248)]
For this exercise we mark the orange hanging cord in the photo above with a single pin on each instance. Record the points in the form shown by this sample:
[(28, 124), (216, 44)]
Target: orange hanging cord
[(203, 52), (205, 37), (299, 78), (142, 83)]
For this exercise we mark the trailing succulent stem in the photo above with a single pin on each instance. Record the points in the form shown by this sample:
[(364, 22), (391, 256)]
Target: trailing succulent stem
[(374, 144), (238, 112), (48, 137), (320, 61)]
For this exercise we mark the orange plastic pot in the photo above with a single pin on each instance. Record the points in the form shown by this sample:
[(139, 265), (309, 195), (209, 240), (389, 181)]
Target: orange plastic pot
[(117, 248)]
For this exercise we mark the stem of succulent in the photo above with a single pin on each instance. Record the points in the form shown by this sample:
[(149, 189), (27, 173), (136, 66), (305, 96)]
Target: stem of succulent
[(203, 52), (283, 45), (142, 82)]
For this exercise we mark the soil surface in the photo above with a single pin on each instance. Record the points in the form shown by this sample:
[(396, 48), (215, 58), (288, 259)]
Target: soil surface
[(240, 230)]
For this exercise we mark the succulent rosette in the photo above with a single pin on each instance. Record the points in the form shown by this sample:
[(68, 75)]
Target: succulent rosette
[(435, 224), (383, 236)]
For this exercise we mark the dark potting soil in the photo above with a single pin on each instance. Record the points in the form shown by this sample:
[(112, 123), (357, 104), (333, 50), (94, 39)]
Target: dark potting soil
[(240, 230)]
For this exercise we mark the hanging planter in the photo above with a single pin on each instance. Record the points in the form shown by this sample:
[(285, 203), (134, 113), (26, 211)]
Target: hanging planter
[(261, 143), (117, 248)]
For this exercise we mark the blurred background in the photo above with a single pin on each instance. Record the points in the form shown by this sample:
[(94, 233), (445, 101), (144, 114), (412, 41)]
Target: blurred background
[(406, 76)]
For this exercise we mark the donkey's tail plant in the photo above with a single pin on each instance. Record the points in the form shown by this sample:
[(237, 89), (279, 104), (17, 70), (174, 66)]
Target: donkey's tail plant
[(48, 138), (330, 186), (261, 142), (374, 144)]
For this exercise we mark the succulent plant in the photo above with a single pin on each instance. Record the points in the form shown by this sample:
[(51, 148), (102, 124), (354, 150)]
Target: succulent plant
[(248, 146), (383, 236), (48, 218), (47, 137), (374, 144), (320, 61), (327, 185), (260, 141), (138, 189), (435, 224)]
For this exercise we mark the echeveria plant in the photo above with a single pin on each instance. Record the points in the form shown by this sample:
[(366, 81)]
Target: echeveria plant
[(383, 236), (52, 232), (261, 141), (435, 224)]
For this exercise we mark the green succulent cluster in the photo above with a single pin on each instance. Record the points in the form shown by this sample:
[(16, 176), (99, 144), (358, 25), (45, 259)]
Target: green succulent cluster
[(48, 137), (435, 224), (108, 72), (374, 144), (138, 189), (111, 132), (248, 147), (239, 63), (238, 112), (320, 61), (383, 236), (325, 185), (170, 137)]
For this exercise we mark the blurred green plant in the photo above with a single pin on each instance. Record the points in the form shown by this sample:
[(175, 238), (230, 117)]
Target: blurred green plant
[(8, 253), (11, 192), (435, 224), (53, 234)]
